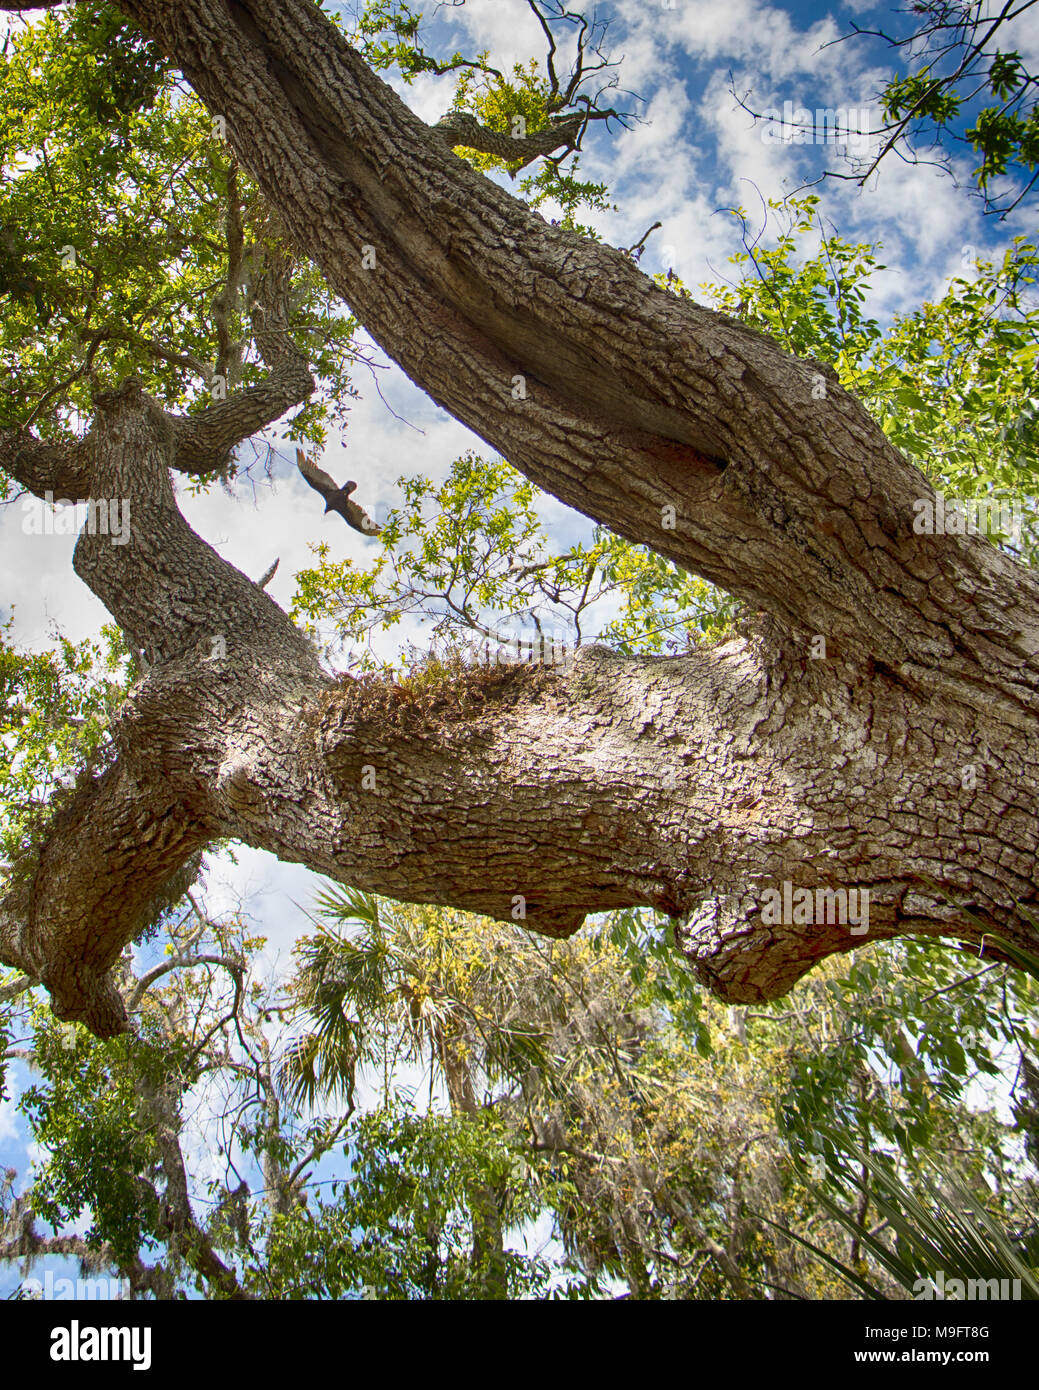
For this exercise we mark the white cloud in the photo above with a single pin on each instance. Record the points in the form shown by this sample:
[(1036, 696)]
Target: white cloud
[(741, 31), (8, 1121), (509, 32)]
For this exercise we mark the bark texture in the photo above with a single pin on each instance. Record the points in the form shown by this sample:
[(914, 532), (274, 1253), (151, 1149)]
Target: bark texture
[(904, 762)]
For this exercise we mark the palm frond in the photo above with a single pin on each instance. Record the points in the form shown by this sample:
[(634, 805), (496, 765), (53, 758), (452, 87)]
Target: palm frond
[(340, 904), (318, 1064), (944, 1228), (1023, 959)]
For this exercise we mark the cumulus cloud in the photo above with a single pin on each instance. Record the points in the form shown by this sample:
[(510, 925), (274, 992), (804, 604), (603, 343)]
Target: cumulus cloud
[(8, 1121)]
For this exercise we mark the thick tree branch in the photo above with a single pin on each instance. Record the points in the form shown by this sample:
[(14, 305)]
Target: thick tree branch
[(200, 443), (229, 351), (203, 443), (693, 785), (621, 399), (111, 849), (690, 785), (63, 470)]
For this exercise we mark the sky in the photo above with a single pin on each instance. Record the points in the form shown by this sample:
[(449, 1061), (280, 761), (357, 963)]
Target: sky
[(693, 154)]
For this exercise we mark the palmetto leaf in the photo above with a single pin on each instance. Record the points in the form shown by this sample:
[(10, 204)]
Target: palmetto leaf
[(1024, 959), (348, 905), (318, 1064), (946, 1229)]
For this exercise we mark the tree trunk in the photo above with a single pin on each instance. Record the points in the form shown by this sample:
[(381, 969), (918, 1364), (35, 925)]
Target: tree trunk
[(903, 762)]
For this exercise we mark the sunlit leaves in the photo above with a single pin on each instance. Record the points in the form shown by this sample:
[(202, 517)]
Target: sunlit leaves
[(957, 73), (400, 1226), (469, 561), (55, 708), (518, 103), (920, 95), (89, 1114)]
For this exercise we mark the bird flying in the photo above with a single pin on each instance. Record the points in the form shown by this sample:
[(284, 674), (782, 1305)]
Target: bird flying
[(337, 499)]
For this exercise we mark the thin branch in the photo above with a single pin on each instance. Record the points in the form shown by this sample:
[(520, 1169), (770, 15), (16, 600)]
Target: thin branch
[(16, 987)]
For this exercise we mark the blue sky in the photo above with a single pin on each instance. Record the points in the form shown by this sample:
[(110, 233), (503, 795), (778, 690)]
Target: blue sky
[(693, 154)]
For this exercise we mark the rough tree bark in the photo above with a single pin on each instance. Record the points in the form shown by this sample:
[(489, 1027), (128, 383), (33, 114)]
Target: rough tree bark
[(690, 784)]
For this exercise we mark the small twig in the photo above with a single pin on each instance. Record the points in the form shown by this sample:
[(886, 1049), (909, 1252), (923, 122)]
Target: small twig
[(636, 251)]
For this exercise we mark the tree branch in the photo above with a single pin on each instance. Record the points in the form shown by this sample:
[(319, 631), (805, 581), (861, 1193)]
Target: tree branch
[(691, 785), (186, 1237), (203, 443), (459, 128), (15, 988), (64, 470), (630, 400)]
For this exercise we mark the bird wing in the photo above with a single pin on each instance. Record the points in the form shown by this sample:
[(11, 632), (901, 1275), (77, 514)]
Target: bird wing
[(358, 518), (316, 477)]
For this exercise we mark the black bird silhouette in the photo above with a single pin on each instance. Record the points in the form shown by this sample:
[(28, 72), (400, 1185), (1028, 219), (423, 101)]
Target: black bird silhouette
[(337, 499)]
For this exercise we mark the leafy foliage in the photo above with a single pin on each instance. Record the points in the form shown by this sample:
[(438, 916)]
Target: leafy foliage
[(55, 709), (958, 73), (470, 560), (524, 102), (944, 1226), (122, 215), (399, 1227), (89, 1114)]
